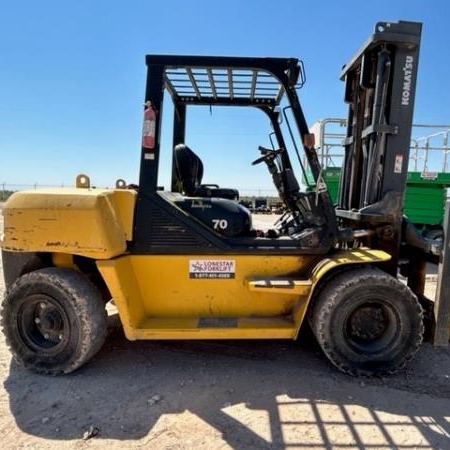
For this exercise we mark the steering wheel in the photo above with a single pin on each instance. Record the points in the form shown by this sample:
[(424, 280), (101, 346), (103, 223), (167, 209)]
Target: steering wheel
[(268, 154)]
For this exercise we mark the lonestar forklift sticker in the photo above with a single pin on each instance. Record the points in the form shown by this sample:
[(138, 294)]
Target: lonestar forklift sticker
[(212, 268)]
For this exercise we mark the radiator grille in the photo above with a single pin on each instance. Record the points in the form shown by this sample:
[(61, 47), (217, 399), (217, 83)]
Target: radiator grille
[(165, 231)]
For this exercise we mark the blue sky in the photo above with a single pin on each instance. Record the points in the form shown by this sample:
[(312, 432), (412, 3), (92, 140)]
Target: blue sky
[(72, 78)]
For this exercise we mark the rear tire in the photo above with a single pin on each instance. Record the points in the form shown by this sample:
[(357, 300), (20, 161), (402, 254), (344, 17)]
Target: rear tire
[(367, 322), (54, 320)]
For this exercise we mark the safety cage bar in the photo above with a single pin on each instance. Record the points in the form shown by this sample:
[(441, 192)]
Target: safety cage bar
[(225, 81)]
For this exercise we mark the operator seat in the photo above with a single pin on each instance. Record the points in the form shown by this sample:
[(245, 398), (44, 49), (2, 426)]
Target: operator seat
[(189, 169)]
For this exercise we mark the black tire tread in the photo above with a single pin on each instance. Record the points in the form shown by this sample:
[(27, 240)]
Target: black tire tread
[(328, 298), (85, 300)]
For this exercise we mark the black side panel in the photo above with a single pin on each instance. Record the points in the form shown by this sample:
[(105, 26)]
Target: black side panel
[(163, 228)]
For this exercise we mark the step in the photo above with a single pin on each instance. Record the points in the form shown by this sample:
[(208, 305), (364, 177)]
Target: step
[(214, 328)]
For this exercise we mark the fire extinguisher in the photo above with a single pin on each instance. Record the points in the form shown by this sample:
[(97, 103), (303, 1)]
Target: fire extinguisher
[(148, 129)]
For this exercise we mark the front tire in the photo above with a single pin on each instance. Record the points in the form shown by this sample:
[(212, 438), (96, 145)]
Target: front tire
[(54, 320), (367, 322)]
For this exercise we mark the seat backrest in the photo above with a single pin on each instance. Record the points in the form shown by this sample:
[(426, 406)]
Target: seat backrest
[(189, 168)]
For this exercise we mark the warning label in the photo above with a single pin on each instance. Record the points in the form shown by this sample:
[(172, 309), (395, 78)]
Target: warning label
[(212, 268), (398, 164)]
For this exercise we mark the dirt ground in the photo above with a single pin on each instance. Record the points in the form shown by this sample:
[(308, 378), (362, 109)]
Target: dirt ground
[(218, 395)]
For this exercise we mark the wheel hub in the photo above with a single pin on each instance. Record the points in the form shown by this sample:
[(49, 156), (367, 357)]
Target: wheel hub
[(49, 322), (368, 322), (44, 324)]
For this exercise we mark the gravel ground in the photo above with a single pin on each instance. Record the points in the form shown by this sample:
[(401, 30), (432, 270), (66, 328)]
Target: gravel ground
[(214, 395)]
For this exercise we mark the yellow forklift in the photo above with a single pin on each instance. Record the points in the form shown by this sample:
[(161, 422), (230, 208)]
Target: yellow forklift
[(187, 263)]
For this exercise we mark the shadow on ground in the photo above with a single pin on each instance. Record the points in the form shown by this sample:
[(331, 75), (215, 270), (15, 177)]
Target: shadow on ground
[(130, 390)]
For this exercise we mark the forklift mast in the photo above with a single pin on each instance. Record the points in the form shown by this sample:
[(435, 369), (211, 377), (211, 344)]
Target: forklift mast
[(380, 84)]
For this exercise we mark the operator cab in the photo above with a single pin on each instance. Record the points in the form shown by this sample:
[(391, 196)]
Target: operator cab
[(206, 214)]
